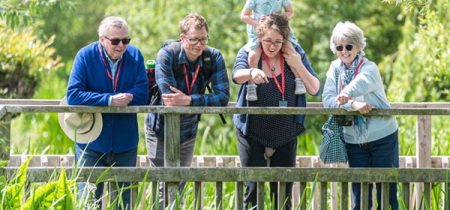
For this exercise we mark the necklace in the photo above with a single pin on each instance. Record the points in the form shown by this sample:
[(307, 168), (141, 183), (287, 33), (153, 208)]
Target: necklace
[(272, 67)]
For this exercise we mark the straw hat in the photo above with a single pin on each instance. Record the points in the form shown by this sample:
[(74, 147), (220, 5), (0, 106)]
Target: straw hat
[(88, 125)]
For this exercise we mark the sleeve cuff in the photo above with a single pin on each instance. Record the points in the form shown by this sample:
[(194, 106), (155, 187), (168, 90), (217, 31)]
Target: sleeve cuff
[(109, 100), (348, 105)]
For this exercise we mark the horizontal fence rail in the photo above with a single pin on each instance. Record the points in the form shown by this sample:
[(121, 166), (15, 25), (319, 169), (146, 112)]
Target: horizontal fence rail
[(415, 169), (253, 174)]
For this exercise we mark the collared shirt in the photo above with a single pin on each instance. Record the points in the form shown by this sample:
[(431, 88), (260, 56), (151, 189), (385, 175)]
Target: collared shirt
[(113, 67), (165, 78)]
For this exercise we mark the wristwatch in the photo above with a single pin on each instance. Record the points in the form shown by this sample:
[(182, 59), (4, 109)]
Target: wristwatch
[(250, 72)]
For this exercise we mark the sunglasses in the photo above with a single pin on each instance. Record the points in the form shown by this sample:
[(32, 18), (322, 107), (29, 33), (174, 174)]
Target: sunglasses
[(117, 41), (348, 47)]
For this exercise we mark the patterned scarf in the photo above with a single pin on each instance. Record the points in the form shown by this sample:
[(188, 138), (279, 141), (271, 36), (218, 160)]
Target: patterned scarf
[(360, 123)]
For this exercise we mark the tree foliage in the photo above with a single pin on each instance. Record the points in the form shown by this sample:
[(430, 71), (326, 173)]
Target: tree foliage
[(24, 61), (22, 12)]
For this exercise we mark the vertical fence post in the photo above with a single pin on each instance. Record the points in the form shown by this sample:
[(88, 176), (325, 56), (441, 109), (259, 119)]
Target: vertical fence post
[(344, 195), (240, 196), (172, 151), (364, 195), (445, 164), (323, 195), (303, 192), (260, 195), (384, 195), (219, 186), (5, 134), (423, 151), (282, 195)]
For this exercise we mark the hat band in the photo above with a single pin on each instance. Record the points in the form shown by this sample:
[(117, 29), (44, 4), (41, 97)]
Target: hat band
[(90, 128)]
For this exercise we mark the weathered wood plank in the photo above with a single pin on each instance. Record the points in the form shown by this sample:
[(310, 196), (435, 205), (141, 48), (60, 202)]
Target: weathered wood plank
[(29, 102), (228, 161), (197, 196), (219, 195), (445, 202), (423, 149), (5, 136), (364, 195), (230, 104), (344, 195), (239, 196), (172, 152), (260, 195), (303, 196), (323, 195), (223, 110), (155, 195), (405, 195), (282, 199), (385, 195), (253, 174)]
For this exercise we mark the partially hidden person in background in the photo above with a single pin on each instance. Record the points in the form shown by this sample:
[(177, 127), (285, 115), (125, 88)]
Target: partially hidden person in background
[(371, 141), (110, 72), (186, 88), (254, 12), (271, 140)]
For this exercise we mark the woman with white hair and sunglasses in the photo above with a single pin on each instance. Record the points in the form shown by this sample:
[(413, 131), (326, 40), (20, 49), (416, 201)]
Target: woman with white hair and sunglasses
[(354, 83)]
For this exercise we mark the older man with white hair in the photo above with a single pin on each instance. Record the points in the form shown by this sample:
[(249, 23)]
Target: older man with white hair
[(110, 72)]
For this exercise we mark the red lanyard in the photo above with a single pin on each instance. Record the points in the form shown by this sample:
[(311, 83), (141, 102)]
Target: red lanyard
[(107, 70), (282, 73), (193, 80)]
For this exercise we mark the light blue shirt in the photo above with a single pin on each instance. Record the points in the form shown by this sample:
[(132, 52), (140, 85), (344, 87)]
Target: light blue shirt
[(366, 87), (114, 67)]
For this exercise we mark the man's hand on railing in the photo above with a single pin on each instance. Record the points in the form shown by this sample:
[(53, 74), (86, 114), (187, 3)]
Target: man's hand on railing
[(121, 99)]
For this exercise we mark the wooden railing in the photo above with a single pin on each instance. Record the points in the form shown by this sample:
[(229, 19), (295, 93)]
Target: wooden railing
[(172, 173)]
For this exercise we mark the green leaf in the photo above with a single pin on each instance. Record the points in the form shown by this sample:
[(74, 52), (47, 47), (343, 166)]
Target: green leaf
[(40, 196)]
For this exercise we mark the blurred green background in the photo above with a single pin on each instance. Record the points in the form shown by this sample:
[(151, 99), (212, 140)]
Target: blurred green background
[(408, 41)]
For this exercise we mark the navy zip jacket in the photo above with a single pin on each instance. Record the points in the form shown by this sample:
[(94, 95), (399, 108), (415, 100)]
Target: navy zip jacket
[(90, 85)]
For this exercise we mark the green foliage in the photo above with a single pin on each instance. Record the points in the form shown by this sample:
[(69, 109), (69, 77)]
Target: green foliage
[(12, 196), (17, 13), (24, 61)]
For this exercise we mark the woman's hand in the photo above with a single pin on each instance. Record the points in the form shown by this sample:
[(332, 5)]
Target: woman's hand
[(362, 107), (258, 76), (342, 99), (292, 58)]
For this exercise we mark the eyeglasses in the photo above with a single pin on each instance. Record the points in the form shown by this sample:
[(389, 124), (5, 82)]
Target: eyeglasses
[(203, 41), (117, 41), (269, 43), (348, 47)]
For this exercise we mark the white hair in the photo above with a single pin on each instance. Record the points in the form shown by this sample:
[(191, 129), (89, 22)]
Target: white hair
[(109, 22), (347, 32)]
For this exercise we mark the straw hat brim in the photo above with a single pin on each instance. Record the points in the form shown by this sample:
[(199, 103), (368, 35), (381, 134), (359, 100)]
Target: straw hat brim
[(82, 138)]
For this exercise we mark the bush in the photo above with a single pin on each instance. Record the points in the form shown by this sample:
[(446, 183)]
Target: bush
[(24, 61)]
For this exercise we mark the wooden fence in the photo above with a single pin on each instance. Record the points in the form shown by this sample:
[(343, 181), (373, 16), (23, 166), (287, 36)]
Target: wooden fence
[(421, 169)]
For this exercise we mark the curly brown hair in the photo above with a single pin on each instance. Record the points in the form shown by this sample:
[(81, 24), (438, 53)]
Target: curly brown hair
[(276, 22), (192, 19)]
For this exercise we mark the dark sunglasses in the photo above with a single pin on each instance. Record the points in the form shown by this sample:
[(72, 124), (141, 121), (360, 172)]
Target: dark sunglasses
[(348, 47), (117, 41)]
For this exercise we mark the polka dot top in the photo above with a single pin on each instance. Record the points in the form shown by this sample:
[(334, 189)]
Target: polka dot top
[(275, 130)]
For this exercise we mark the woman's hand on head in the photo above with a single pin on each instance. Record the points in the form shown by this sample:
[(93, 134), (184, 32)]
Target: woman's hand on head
[(291, 56), (362, 107), (259, 76)]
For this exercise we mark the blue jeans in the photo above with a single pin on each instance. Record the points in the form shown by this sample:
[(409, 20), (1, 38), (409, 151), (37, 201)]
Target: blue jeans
[(382, 153), (94, 158)]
